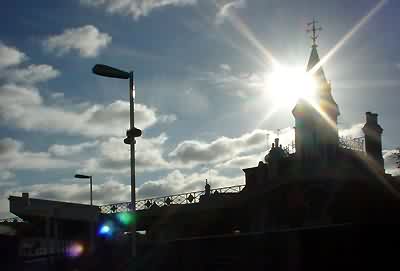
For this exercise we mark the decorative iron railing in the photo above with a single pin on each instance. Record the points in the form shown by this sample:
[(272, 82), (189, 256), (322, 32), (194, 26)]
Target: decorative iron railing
[(355, 144), (184, 198), (11, 220), (290, 148)]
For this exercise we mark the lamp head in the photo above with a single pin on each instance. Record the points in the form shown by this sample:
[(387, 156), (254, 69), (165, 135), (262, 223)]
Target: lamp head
[(108, 71), (80, 176)]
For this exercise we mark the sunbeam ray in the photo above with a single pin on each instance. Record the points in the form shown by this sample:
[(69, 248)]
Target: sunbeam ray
[(238, 24), (348, 35)]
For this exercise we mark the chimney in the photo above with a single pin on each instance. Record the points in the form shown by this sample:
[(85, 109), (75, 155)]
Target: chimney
[(373, 138), (372, 118), (25, 198)]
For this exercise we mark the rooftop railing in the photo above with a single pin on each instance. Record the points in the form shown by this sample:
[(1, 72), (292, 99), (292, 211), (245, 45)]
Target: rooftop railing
[(355, 144), (11, 220), (184, 198)]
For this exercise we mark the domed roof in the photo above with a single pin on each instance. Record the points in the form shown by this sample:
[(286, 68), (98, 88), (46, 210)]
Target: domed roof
[(276, 153)]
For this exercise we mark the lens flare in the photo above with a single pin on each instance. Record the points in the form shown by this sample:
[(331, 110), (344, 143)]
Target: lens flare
[(76, 249), (126, 218), (106, 229)]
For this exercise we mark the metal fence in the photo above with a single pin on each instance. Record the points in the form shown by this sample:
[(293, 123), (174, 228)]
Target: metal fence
[(345, 142), (355, 144), (184, 198), (11, 220)]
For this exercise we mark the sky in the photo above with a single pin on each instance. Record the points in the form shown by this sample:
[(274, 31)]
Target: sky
[(201, 99)]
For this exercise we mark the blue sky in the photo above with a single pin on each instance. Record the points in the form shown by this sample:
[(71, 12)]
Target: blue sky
[(201, 98)]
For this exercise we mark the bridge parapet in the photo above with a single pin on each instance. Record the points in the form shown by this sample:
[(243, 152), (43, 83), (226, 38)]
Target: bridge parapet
[(184, 198)]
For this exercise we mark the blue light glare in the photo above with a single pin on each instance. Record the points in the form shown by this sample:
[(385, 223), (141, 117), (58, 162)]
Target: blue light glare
[(106, 229)]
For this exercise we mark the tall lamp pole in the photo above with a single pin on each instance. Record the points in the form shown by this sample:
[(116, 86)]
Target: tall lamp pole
[(81, 176), (133, 132)]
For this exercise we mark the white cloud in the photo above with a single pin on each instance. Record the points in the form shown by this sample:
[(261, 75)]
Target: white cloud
[(354, 131), (227, 8), (167, 118), (68, 150), (87, 40), (57, 95), (13, 95), (225, 67), (31, 74), (114, 156), (110, 191), (113, 191), (135, 8), (192, 102), (242, 84), (10, 56), (244, 161), (23, 107), (390, 159), (6, 175), (244, 151), (14, 157), (224, 149), (178, 182)]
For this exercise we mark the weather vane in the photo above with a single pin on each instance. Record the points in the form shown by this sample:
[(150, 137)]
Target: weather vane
[(311, 27)]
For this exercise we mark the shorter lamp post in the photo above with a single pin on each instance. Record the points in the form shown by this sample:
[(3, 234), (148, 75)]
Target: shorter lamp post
[(80, 176)]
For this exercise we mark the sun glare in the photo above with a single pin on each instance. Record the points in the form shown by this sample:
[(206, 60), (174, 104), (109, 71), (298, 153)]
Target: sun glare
[(286, 85)]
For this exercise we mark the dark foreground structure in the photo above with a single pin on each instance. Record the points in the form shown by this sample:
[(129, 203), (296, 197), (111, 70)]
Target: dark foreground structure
[(327, 206)]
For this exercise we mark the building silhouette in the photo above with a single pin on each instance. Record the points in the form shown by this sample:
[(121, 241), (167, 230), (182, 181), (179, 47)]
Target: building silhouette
[(327, 180), (325, 190)]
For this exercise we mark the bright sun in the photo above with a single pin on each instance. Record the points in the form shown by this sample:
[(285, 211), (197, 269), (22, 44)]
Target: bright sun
[(287, 85)]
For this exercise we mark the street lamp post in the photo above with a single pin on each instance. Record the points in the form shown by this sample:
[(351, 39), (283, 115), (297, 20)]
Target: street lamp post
[(80, 176), (133, 132)]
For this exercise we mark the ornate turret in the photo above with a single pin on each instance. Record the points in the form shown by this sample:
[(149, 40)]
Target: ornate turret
[(273, 158), (316, 121)]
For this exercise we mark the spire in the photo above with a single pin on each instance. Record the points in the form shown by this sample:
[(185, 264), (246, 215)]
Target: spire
[(314, 30), (314, 57)]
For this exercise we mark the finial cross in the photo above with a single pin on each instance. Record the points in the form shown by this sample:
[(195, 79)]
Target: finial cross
[(312, 27)]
